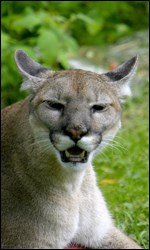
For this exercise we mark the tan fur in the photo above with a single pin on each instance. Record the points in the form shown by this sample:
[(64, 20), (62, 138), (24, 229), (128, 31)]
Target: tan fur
[(49, 203)]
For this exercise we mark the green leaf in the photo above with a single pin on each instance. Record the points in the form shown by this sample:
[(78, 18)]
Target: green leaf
[(68, 43), (122, 28), (62, 58), (92, 26), (4, 41), (29, 21), (49, 45), (84, 18)]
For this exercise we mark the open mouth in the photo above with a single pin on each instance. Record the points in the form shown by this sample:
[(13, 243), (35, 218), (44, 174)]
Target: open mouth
[(74, 154)]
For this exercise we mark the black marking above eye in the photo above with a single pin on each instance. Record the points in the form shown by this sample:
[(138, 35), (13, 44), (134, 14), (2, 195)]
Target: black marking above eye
[(98, 108), (55, 105)]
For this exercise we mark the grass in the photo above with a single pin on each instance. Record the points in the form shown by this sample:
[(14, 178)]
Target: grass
[(122, 170)]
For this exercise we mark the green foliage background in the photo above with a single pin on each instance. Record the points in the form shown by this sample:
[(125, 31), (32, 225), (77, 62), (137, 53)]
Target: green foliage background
[(49, 30)]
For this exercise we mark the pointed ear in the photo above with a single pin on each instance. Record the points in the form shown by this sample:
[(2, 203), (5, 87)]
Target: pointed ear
[(122, 75), (30, 70)]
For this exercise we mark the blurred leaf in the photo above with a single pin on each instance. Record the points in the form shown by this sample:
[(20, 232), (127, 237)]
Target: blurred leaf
[(49, 45), (5, 38), (92, 26), (28, 21), (122, 28), (68, 44), (63, 60), (84, 18)]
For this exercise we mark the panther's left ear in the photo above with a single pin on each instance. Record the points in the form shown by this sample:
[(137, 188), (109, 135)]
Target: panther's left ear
[(30, 71), (122, 75)]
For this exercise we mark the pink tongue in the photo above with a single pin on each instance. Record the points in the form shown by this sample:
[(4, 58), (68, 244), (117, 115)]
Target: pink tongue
[(75, 151)]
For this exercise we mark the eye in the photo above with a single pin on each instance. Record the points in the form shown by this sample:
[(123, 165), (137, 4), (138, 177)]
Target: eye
[(55, 105), (99, 108)]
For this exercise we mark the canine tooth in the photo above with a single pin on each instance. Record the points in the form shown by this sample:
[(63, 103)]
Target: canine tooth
[(82, 154), (67, 154)]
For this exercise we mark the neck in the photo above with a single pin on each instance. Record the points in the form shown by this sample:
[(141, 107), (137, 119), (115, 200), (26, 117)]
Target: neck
[(49, 174), (67, 179)]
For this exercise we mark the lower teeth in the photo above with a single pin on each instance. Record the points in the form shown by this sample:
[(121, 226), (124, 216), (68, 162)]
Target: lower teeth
[(75, 159)]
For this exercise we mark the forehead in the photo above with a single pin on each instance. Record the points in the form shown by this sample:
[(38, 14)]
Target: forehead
[(77, 83)]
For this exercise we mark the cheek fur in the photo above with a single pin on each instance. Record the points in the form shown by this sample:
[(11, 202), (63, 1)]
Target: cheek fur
[(89, 143), (61, 142)]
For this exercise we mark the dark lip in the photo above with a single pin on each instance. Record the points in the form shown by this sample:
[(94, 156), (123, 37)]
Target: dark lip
[(75, 151)]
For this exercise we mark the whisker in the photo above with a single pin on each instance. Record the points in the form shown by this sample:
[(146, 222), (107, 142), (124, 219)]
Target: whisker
[(113, 145), (40, 141)]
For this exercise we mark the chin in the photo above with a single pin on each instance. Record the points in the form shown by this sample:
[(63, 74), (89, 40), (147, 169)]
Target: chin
[(72, 166), (76, 166)]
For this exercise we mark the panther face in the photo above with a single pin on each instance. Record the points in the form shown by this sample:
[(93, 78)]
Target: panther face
[(79, 118)]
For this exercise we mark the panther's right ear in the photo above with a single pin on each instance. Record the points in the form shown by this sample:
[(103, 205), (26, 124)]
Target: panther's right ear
[(30, 70), (122, 76)]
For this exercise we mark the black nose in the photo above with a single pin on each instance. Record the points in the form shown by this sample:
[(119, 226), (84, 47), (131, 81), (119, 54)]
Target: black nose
[(75, 134)]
